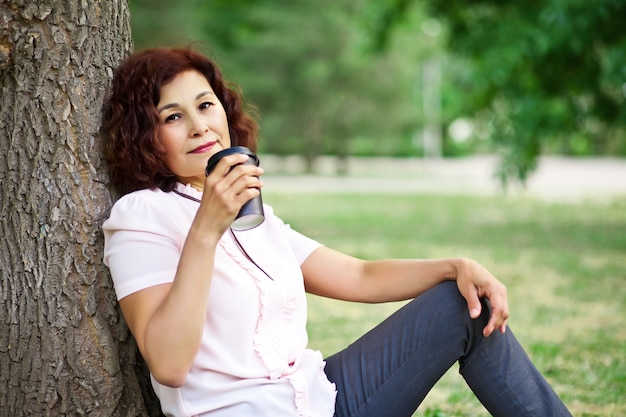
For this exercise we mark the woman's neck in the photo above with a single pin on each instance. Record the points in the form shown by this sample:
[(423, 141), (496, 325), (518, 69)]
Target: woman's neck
[(194, 182)]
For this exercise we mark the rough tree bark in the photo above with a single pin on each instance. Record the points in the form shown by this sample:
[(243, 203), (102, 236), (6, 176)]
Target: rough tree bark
[(64, 349)]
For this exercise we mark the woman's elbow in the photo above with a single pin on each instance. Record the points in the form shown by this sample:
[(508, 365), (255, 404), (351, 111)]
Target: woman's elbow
[(169, 377)]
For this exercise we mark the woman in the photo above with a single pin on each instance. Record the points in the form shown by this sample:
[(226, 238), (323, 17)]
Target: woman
[(219, 316)]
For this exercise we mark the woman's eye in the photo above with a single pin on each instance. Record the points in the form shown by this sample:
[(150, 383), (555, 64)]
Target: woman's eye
[(172, 117), (205, 105)]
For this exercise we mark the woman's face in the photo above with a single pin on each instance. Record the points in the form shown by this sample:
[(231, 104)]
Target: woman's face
[(192, 126)]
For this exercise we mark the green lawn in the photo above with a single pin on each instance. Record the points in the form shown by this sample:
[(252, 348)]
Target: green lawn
[(564, 266)]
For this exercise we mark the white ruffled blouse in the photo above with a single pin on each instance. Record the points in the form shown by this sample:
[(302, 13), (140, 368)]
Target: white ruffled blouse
[(253, 359)]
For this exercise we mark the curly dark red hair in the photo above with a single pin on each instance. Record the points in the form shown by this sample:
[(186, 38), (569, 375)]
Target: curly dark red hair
[(130, 120)]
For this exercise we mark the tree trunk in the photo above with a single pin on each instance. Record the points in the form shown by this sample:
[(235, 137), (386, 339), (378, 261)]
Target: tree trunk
[(64, 348)]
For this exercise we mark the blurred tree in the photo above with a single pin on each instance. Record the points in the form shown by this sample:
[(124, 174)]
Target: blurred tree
[(543, 75), (158, 23), (317, 88), (306, 65)]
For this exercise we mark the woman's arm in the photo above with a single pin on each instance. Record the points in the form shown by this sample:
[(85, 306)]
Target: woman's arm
[(167, 320), (333, 274)]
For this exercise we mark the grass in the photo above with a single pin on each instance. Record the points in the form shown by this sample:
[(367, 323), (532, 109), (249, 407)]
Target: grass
[(564, 266)]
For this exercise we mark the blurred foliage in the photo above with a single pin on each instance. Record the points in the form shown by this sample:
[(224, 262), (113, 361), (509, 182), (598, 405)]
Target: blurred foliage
[(308, 66), (541, 75), (344, 77)]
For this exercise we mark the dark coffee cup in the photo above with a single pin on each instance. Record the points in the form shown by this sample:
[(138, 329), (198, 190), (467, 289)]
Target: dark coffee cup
[(251, 214)]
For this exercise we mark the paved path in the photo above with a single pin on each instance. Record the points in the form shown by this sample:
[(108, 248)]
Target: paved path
[(558, 179)]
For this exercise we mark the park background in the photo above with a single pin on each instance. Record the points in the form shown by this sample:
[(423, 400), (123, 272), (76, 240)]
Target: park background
[(433, 128), (489, 129), (412, 78)]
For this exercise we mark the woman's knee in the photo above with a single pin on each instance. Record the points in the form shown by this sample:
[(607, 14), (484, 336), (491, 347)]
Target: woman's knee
[(446, 302), (444, 297)]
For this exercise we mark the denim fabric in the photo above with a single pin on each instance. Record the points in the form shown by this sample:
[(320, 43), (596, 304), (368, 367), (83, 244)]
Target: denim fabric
[(389, 371)]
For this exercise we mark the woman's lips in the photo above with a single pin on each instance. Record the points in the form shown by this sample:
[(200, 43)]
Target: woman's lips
[(203, 148)]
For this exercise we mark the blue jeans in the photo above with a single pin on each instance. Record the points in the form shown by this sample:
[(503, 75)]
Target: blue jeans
[(389, 371)]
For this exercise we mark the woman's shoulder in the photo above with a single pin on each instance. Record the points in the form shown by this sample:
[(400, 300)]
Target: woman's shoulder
[(140, 206), (140, 199)]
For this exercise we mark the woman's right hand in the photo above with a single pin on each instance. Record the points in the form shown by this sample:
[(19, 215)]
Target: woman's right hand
[(226, 189)]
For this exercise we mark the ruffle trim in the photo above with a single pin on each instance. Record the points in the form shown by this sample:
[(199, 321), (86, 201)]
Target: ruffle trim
[(271, 339), (315, 394)]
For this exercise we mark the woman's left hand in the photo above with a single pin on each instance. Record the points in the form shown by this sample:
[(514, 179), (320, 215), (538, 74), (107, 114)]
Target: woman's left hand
[(474, 282)]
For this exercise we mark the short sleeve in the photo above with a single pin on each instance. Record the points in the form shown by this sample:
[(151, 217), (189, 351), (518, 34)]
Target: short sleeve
[(142, 242), (301, 245)]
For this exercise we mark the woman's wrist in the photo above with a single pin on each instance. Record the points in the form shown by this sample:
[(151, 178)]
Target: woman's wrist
[(458, 265), (198, 236)]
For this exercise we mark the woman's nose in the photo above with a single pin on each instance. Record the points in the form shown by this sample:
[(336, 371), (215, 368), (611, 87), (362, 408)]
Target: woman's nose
[(197, 126)]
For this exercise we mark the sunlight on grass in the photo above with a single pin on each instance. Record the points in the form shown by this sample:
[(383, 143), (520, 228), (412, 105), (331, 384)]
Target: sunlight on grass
[(564, 266)]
